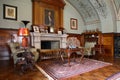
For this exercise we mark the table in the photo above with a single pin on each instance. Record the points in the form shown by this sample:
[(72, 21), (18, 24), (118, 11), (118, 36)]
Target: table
[(69, 51)]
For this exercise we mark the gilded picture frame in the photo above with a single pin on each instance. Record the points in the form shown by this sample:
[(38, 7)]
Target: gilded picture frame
[(9, 12), (73, 23), (49, 17)]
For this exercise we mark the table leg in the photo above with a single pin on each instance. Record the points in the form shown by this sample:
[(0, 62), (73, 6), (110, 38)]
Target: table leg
[(68, 59), (61, 55), (81, 58)]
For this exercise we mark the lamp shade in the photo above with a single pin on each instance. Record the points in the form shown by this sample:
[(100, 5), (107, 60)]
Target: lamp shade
[(23, 32)]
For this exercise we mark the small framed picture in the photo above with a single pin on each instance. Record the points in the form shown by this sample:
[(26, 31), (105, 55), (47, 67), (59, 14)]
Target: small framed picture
[(35, 28), (73, 23), (59, 32), (42, 28), (50, 29), (9, 12)]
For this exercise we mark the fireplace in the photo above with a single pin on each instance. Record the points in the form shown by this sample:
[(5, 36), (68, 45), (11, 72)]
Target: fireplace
[(51, 40), (46, 44)]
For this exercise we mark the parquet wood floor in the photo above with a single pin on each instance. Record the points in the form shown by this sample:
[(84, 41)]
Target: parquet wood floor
[(7, 72)]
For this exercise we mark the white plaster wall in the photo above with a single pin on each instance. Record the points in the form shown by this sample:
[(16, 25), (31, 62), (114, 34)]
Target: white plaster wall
[(118, 26), (24, 8), (93, 26), (70, 12), (108, 23)]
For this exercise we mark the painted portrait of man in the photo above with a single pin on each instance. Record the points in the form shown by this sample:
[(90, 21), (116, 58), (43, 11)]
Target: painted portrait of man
[(49, 17)]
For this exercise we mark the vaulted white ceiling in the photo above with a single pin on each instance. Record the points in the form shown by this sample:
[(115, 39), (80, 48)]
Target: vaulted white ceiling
[(90, 10)]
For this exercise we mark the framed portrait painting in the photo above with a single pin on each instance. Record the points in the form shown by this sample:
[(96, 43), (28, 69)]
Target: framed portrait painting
[(49, 17), (9, 12), (73, 23)]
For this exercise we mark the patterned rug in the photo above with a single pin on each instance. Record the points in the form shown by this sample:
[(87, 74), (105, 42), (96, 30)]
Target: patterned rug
[(58, 70)]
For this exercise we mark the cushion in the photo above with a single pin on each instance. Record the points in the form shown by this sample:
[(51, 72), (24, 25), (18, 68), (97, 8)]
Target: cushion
[(35, 53), (88, 48), (73, 42)]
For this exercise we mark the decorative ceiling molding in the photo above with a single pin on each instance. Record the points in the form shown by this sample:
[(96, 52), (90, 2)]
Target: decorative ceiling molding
[(116, 5), (93, 22), (85, 9), (100, 6)]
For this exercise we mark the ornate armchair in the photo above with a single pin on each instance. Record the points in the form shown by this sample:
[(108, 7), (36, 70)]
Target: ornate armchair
[(16, 50), (73, 42)]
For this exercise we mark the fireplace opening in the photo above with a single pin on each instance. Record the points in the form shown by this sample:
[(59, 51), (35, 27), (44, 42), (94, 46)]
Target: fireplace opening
[(50, 44)]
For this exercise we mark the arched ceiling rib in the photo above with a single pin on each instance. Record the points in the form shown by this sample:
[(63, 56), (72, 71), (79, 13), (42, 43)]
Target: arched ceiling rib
[(86, 10)]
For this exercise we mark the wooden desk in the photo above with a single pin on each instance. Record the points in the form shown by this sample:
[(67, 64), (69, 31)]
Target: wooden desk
[(70, 51)]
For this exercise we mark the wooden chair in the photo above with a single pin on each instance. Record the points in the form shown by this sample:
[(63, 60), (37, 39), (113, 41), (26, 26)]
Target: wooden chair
[(100, 51)]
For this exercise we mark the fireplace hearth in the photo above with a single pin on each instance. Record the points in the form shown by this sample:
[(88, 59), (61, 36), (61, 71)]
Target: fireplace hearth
[(51, 40), (50, 44)]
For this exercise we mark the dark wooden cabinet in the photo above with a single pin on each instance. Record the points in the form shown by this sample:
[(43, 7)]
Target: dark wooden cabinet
[(104, 39), (92, 37)]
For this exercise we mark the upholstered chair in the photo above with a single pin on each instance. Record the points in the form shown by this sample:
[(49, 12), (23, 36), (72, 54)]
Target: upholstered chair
[(88, 49), (73, 42), (35, 53), (15, 50)]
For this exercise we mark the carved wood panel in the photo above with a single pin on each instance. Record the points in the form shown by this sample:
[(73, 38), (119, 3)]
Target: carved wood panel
[(108, 42), (39, 7)]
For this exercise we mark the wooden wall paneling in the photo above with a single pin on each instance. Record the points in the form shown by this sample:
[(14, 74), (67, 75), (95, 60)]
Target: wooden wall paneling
[(58, 3), (36, 12), (108, 42), (39, 7), (5, 38), (82, 39), (61, 18)]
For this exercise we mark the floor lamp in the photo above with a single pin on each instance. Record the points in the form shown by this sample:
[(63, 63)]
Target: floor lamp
[(24, 32)]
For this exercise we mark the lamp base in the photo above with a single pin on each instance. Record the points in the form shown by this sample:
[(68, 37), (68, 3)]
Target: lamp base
[(24, 42)]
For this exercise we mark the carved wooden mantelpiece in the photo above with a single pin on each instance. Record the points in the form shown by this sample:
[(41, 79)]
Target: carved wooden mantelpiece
[(39, 7), (58, 3)]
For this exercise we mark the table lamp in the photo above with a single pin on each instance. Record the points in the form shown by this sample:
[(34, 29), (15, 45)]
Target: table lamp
[(24, 32)]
